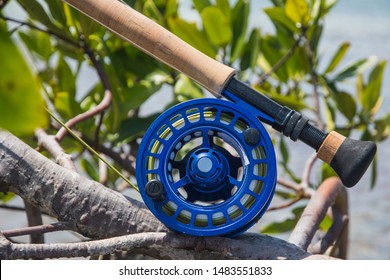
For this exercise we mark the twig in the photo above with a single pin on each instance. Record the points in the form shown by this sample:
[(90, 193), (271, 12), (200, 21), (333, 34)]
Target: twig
[(330, 193), (97, 130), (53, 147), (285, 205), (50, 32), (307, 171), (103, 78), (289, 184), (102, 106), (34, 218), (37, 229), (340, 222), (280, 62), (13, 208), (123, 161), (305, 192)]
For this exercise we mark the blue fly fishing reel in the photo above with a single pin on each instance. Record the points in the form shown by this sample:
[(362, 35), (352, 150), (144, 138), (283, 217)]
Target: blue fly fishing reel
[(207, 167)]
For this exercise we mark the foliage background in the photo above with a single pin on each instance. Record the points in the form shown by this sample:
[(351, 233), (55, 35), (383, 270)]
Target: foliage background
[(349, 88)]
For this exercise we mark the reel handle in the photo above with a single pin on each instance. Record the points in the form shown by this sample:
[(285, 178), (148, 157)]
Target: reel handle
[(349, 158), (158, 42)]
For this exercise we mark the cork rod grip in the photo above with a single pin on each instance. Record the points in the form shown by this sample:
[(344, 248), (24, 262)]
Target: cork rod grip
[(349, 158), (155, 40)]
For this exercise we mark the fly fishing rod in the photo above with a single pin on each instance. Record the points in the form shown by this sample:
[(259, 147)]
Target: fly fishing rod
[(207, 166)]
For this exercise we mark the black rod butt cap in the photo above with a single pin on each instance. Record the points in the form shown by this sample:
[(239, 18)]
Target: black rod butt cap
[(352, 160)]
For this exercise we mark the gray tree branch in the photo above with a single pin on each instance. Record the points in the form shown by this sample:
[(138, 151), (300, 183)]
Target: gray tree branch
[(164, 245), (95, 210), (51, 145)]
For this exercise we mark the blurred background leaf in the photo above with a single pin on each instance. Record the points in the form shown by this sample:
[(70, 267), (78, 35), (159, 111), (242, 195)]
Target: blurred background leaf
[(21, 104)]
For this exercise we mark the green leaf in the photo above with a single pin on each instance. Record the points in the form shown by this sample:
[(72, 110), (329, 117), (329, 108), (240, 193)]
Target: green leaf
[(284, 151), (132, 128), (290, 101), (271, 54), (346, 104), (38, 43), (330, 114), (66, 105), (374, 172), (185, 89), (192, 35), (151, 11), (201, 4), (327, 172), (338, 56), (315, 10), (279, 227), (171, 9), (382, 128), (133, 97), (125, 65), (252, 51), (297, 11), (216, 25), (372, 91), (57, 11), (239, 25), (285, 195), (279, 16), (90, 168), (326, 223), (314, 34), (224, 6), (360, 86), (66, 78), (38, 13), (278, 3), (328, 5), (87, 25), (21, 104), (353, 69), (6, 196), (297, 65), (286, 225)]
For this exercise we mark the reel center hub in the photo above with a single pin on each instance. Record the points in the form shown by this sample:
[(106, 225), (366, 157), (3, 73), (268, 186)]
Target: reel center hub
[(207, 168), (205, 164)]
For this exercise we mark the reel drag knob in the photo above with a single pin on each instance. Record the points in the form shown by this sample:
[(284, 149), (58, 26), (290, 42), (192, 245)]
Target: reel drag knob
[(205, 168), (251, 136), (155, 190)]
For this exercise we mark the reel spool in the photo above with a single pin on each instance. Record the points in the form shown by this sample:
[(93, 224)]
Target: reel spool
[(207, 167)]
